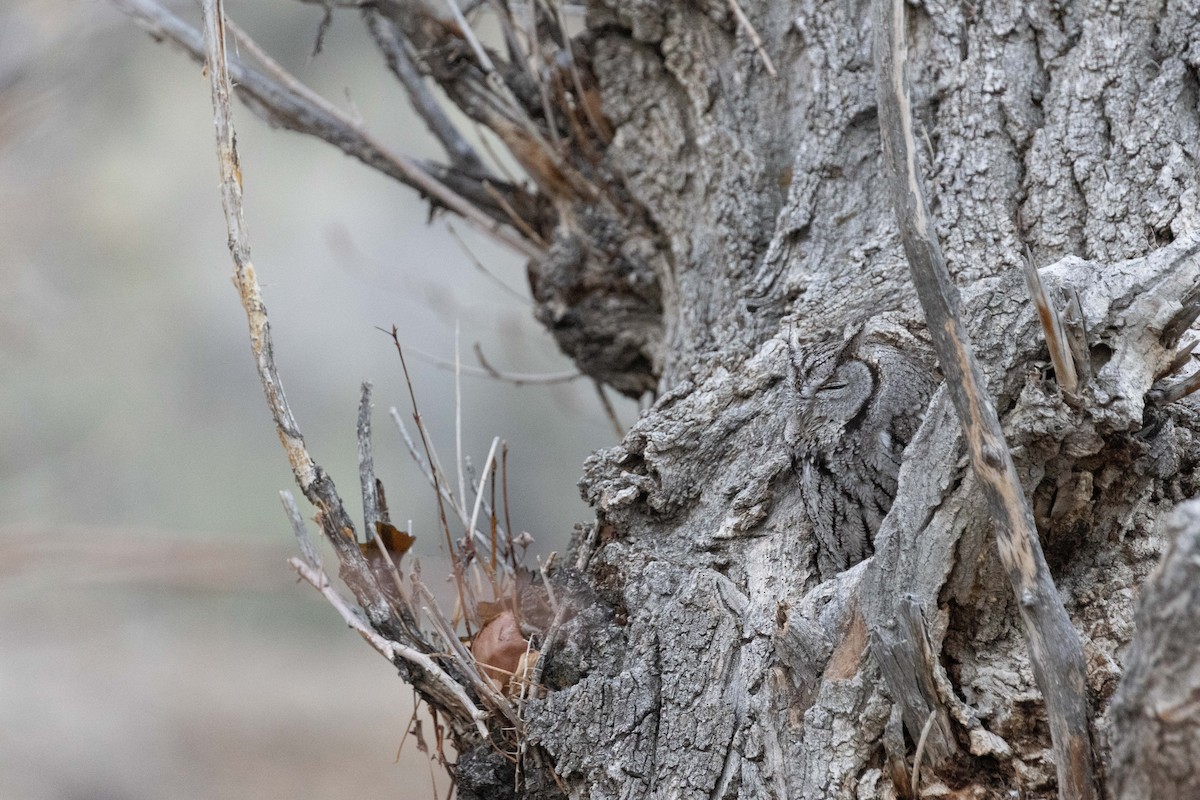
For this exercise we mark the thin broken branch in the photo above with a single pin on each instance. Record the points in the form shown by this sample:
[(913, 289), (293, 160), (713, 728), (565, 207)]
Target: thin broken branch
[(295, 107), (392, 651), (1055, 650), (366, 463), (395, 53), (307, 547), (425, 675), (486, 370), (1163, 396), (744, 22)]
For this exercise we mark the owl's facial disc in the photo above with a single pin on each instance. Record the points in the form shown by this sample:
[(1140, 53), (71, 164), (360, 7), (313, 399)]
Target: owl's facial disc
[(844, 393)]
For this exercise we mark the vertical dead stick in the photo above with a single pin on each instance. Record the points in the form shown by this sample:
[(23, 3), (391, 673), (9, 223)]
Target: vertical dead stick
[(1055, 650), (432, 681), (740, 15), (314, 482), (366, 463), (239, 246)]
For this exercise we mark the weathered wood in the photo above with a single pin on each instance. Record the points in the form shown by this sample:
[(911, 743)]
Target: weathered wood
[(1055, 649), (432, 681), (1155, 715), (297, 108), (907, 663)]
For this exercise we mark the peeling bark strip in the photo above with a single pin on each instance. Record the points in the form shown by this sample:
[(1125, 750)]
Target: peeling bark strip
[(908, 663), (1055, 650)]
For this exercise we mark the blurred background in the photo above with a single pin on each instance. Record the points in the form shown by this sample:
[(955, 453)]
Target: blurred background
[(153, 640)]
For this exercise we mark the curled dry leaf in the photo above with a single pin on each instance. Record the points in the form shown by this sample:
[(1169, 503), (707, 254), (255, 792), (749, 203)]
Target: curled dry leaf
[(502, 652), (395, 540)]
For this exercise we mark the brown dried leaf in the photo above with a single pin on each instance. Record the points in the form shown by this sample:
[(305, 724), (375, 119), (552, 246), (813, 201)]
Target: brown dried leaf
[(499, 648)]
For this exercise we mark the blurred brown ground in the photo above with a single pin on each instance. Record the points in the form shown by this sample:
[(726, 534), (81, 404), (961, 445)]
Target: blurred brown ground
[(153, 642), (147, 668)]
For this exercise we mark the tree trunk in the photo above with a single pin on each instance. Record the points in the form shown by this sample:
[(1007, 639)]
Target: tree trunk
[(791, 589), (775, 634)]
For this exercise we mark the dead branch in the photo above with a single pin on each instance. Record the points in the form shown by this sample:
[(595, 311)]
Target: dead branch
[(392, 651), (314, 482), (1055, 651), (366, 463), (1054, 329), (486, 370), (744, 23), (395, 53), (295, 107)]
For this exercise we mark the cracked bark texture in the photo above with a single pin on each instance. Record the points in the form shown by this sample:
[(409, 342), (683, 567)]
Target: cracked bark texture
[(739, 659), (1156, 704)]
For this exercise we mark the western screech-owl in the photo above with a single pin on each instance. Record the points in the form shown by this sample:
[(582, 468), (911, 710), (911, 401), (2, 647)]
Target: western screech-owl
[(860, 402)]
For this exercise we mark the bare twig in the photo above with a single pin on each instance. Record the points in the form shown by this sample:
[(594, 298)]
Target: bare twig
[(1188, 312), (920, 753), (480, 266), (366, 462), (549, 642), (306, 112), (308, 475), (466, 662), (544, 571), (599, 126), (423, 465), (395, 52), (307, 547), (513, 217), (421, 461), (1181, 357), (392, 651), (535, 48), (1055, 651), (746, 25), (458, 452), (1176, 391), (609, 411), (488, 371), (398, 581), (485, 60), (487, 465), (425, 675), (435, 469), (508, 535)]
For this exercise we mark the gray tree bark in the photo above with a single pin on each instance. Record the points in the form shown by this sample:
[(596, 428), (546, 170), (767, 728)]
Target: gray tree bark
[(791, 588), (1155, 709), (760, 652)]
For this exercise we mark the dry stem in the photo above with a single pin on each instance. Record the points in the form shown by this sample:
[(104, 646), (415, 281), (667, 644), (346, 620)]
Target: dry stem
[(293, 105), (390, 650)]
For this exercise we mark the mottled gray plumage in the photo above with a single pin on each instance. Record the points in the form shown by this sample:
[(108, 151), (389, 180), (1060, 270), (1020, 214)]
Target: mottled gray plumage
[(860, 402)]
